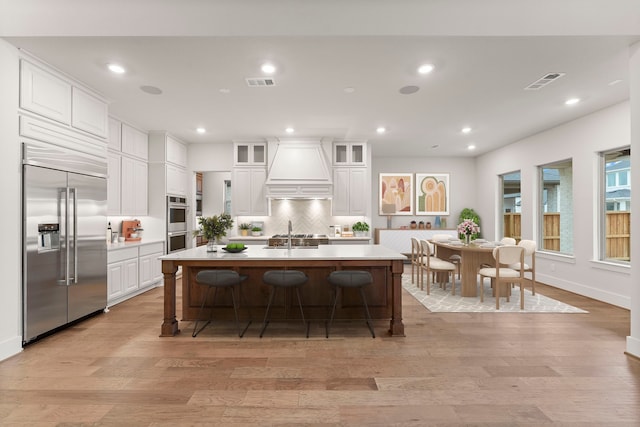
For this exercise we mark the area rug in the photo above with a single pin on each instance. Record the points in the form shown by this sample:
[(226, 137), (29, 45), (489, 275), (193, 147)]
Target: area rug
[(442, 301)]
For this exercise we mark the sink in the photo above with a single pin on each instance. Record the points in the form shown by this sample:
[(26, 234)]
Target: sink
[(292, 247)]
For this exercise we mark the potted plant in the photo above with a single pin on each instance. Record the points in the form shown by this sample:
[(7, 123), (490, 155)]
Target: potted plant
[(213, 228), (244, 228), (256, 231), (360, 228)]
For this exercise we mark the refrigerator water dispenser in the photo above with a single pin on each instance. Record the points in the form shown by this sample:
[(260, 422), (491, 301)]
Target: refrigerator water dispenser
[(48, 237)]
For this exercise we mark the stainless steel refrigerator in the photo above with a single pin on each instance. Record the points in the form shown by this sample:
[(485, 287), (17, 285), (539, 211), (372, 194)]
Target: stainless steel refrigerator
[(65, 250)]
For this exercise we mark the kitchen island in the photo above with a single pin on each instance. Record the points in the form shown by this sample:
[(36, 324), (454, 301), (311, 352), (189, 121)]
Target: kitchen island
[(384, 296)]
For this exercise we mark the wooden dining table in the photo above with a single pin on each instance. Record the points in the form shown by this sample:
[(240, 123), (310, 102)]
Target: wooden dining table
[(472, 257)]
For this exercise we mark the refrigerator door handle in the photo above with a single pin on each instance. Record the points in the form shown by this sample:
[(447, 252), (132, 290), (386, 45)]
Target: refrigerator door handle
[(74, 217), (64, 217)]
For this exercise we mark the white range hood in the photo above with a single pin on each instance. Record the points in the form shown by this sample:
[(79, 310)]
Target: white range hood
[(299, 169)]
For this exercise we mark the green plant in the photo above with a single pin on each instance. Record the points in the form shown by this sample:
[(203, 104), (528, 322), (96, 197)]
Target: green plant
[(245, 226), (256, 229), (360, 226), (468, 213), (214, 227)]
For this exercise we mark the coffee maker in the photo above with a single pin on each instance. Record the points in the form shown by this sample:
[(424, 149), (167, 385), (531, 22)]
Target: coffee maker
[(131, 230)]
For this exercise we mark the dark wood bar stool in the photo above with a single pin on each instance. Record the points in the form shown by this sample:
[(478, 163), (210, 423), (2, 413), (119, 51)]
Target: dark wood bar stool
[(219, 279), (285, 279), (350, 279)]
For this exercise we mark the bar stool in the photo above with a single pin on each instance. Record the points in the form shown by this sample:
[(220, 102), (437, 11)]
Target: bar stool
[(285, 279), (350, 279), (219, 279)]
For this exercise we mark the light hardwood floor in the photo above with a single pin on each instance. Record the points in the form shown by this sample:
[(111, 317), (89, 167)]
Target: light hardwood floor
[(451, 369)]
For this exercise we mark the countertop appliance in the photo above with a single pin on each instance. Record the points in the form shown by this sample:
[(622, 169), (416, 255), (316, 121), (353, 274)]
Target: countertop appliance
[(299, 240), (64, 246), (132, 230)]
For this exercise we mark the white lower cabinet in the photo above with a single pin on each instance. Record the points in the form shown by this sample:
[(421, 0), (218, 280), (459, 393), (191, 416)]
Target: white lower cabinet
[(133, 270)]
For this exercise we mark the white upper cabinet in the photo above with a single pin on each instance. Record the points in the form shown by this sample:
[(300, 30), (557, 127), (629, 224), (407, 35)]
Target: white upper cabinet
[(349, 154), (250, 154), (113, 184), (115, 135), (176, 180), (135, 142), (44, 93), (89, 113), (350, 190), (176, 152), (248, 192)]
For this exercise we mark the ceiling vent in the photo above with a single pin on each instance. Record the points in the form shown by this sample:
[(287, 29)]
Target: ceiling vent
[(260, 81), (545, 80)]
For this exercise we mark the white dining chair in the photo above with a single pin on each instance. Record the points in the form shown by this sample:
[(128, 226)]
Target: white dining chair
[(432, 264), (504, 257), (455, 258), (530, 247)]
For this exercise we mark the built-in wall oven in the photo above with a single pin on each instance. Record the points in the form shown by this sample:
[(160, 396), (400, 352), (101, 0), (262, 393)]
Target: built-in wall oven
[(176, 223)]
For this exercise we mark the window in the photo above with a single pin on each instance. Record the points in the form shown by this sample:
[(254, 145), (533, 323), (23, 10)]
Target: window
[(615, 206), (556, 207), (511, 206)]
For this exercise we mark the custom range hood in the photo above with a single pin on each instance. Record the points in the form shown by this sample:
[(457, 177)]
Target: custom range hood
[(299, 169)]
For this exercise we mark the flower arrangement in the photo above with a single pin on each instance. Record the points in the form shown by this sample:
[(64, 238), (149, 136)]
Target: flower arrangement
[(468, 227), (215, 227)]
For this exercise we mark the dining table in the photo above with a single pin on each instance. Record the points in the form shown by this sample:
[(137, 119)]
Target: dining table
[(472, 257)]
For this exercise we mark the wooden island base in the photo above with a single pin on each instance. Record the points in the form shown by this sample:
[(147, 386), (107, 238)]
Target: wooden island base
[(384, 296)]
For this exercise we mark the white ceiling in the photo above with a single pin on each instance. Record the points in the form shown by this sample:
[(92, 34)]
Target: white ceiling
[(478, 81)]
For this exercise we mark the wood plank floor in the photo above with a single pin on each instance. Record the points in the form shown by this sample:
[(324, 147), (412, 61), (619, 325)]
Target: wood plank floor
[(451, 369)]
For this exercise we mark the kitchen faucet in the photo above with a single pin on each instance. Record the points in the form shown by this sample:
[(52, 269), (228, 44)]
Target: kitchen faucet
[(289, 235)]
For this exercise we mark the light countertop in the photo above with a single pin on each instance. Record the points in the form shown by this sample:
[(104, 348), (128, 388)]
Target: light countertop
[(258, 238), (260, 252), (132, 244)]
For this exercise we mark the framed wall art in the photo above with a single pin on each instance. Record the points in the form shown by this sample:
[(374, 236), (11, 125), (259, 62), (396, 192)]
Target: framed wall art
[(432, 193), (396, 194)]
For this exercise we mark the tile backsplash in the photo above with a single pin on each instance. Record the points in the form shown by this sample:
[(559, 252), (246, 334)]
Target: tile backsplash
[(307, 216)]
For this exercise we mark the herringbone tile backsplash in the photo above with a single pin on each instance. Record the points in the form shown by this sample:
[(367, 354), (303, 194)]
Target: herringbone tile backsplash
[(307, 216)]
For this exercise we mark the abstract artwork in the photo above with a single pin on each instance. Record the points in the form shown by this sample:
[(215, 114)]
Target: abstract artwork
[(432, 194), (396, 194)]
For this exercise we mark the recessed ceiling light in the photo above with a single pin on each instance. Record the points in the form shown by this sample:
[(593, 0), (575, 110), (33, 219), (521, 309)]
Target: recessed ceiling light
[(349, 89), (425, 68), (151, 90), (268, 68), (289, 130), (614, 82), (115, 68), (225, 90), (466, 129), (408, 90), (471, 147), (572, 101), (201, 130), (381, 129)]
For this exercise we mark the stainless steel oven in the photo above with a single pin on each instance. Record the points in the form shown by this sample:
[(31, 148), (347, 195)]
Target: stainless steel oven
[(176, 214), (176, 241)]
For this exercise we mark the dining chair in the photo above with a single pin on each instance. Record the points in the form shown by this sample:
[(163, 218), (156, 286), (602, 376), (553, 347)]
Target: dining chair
[(430, 264), (456, 259), (415, 259), (530, 247), (508, 241), (504, 256)]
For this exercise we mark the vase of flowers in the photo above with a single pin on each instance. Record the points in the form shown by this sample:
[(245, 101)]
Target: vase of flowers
[(213, 228), (467, 228)]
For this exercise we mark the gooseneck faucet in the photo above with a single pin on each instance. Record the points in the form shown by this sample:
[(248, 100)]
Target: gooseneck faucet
[(289, 235)]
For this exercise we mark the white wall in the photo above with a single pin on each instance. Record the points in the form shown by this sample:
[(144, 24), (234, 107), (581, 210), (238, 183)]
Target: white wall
[(10, 165), (580, 140), (462, 174)]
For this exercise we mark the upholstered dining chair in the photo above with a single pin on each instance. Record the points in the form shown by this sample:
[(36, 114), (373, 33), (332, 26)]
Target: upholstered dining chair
[(415, 260), (505, 256), (508, 241), (455, 258), (430, 264), (530, 247)]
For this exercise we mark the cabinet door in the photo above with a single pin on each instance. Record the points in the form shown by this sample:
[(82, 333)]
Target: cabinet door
[(176, 181), (250, 154), (43, 93), (115, 138), (358, 191), (130, 275), (135, 142), (113, 184), (241, 191), (115, 280), (341, 191), (127, 193), (146, 270), (89, 113), (176, 152), (258, 194), (140, 188)]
